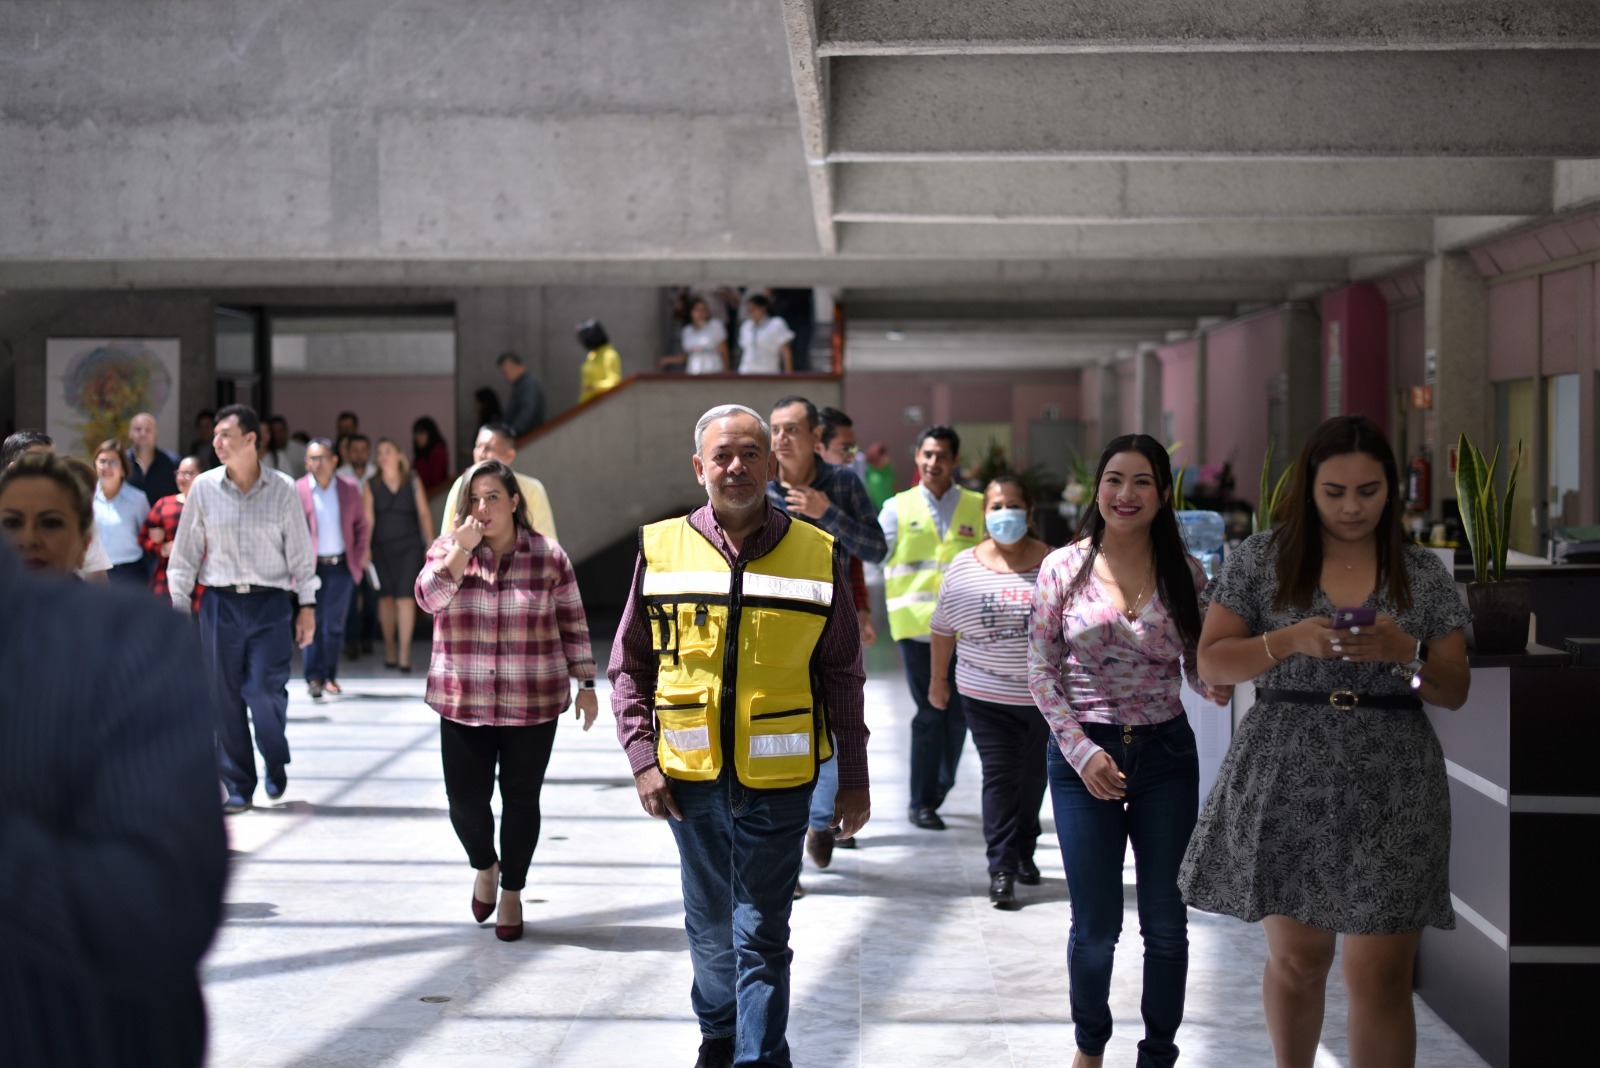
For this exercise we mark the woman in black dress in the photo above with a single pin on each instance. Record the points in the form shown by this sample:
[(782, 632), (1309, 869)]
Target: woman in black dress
[(1331, 814), (402, 529)]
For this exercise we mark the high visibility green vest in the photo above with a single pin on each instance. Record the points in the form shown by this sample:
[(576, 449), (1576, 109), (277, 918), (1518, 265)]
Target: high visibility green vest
[(735, 647), (914, 571)]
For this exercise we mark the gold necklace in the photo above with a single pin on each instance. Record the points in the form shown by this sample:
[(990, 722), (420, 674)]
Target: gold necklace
[(1131, 609)]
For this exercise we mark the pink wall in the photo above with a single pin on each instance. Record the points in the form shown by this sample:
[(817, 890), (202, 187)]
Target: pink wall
[(1359, 318), (1127, 372), (1566, 320), (1514, 330), (1242, 362), (877, 404), (387, 405), (1180, 391)]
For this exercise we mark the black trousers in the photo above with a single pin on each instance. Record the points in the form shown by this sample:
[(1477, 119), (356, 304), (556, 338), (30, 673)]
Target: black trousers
[(1011, 741), (470, 755), (937, 734)]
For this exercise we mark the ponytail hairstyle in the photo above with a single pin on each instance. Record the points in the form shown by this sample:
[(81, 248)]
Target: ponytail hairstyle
[(1174, 580), (1297, 530)]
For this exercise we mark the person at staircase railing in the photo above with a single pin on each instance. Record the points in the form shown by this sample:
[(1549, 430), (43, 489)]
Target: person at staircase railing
[(602, 366)]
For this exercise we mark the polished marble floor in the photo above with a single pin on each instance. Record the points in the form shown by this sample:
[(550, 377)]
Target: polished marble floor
[(348, 939)]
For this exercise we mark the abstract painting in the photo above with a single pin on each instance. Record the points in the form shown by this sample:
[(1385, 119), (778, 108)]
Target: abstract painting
[(96, 385)]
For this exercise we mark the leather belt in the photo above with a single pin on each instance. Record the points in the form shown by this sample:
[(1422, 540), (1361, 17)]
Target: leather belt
[(1343, 700), (244, 589), (330, 561)]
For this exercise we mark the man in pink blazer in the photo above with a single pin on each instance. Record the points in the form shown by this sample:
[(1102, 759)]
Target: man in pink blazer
[(342, 539)]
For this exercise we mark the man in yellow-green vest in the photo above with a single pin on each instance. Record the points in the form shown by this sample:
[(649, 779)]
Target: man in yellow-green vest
[(926, 526), (735, 672)]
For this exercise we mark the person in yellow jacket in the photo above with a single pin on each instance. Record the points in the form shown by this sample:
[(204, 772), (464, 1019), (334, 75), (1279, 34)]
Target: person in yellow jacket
[(735, 672), (926, 526), (602, 366)]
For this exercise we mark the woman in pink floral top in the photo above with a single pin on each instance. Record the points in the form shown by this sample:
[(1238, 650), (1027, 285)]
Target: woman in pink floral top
[(1116, 616)]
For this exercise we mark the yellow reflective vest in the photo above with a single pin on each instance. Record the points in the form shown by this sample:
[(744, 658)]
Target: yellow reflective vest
[(913, 572), (735, 647)]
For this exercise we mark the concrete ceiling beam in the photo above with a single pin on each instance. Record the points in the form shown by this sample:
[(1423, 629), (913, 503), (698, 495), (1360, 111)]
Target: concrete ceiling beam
[(927, 27), (1096, 190), (1203, 240), (1088, 281), (1527, 104)]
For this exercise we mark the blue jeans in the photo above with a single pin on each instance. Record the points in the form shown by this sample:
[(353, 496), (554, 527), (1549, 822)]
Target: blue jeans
[(822, 798), (248, 643), (937, 734), (1158, 815), (740, 861), (333, 606)]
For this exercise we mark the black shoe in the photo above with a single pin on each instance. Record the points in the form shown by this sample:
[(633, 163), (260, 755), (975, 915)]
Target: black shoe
[(819, 847), (715, 1053), (1027, 872), (925, 817), (235, 804), (1003, 890), (277, 782), (315, 686), (845, 843)]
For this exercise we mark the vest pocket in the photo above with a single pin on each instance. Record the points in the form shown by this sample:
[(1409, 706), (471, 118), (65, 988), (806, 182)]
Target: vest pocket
[(778, 639), (684, 729), (781, 725), (699, 631)]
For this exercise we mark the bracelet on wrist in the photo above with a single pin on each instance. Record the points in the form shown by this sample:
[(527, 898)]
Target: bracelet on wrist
[(1268, 648)]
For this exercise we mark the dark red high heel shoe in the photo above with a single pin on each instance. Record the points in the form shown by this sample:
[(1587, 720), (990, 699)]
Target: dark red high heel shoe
[(509, 932), (482, 910)]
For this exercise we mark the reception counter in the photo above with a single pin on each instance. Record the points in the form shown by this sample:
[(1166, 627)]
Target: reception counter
[(1520, 975)]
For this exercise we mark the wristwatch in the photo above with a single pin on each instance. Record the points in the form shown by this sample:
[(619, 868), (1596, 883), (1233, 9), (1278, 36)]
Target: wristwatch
[(585, 684), (1412, 669)]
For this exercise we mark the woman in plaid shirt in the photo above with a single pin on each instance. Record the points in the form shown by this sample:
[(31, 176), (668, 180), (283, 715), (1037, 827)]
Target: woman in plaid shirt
[(508, 634)]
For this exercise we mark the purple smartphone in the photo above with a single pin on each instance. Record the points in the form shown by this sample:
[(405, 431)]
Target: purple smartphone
[(1345, 618)]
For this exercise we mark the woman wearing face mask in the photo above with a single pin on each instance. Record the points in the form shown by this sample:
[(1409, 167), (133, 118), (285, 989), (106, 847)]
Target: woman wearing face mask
[(1116, 617), (982, 613)]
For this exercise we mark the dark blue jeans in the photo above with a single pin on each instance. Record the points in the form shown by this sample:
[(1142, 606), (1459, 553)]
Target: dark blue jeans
[(1158, 815), (333, 606), (248, 642), (740, 860), (937, 734)]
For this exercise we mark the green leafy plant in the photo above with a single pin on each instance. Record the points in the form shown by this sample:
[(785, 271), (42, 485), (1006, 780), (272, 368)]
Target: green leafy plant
[(1271, 492), (1180, 503), (1485, 514)]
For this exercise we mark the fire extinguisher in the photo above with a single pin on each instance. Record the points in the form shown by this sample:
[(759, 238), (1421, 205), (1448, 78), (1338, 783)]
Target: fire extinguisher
[(1419, 482)]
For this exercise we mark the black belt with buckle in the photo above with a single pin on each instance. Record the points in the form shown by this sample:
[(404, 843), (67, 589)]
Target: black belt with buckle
[(330, 561), (244, 589), (1343, 700)]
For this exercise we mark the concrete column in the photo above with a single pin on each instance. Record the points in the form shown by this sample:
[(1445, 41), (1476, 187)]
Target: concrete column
[(1456, 338), (1300, 382), (491, 320), (1200, 398), (1147, 380), (1110, 405)]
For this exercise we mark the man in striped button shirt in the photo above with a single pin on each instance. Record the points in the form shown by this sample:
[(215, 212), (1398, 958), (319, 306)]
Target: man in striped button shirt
[(244, 536)]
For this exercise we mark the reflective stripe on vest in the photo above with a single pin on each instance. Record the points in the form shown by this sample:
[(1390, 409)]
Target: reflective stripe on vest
[(751, 696), (914, 571)]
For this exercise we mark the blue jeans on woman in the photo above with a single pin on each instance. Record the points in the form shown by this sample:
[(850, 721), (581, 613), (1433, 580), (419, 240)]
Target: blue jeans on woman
[(1158, 816), (739, 854)]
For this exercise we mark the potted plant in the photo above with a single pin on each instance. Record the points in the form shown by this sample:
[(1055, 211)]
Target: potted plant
[(1500, 606), (1271, 498)]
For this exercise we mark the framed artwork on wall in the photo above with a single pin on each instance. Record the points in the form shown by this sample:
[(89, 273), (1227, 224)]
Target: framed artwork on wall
[(94, 386)]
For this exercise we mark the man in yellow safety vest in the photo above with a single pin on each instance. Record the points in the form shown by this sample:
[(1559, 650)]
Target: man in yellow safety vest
[(926, 526), (735, 672)]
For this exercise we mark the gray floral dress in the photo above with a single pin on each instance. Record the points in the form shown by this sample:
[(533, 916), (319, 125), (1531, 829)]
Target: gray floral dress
[(1340, 820)]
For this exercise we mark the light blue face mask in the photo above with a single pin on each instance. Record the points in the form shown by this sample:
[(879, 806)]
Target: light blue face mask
[(1007, 525)]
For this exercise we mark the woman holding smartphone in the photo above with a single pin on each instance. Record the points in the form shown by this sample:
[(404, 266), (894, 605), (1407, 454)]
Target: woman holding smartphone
[(1331, 812), (1116, 615)]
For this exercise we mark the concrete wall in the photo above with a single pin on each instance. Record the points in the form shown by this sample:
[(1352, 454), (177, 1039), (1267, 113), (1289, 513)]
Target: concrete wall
[(536, 321)]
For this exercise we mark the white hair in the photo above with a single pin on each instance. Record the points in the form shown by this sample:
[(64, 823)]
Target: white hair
[(723, 411)]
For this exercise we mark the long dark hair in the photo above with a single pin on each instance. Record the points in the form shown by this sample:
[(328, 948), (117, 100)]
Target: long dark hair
[(425, 425), (1174, 580), (508, 482), (1298, 530)]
